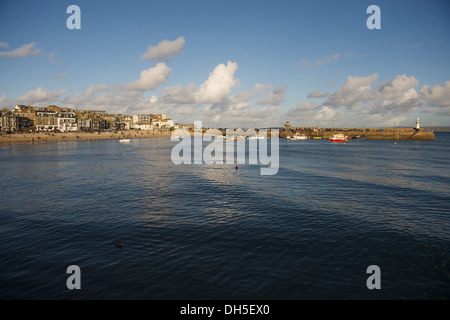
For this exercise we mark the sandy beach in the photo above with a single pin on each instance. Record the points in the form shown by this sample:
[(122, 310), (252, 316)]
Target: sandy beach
[(35, 138)]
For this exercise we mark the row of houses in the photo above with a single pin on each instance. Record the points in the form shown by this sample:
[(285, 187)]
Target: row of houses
[(54, 118)]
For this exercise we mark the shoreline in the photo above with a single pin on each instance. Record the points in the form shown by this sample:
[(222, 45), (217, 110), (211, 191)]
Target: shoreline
[(48, 137)]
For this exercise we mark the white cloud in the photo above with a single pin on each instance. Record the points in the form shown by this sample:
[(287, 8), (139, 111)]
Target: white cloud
[(355, 90), (93, 89), (307, 113), (358, 102), (437, 95), (261, 87), (4, 45), (92, 97), (24, 51), (40, 96), (302, 113), (317, 94), (216, 88), (150, 78), (164, 50), (122, 97), (307, 105), (275, 97), (240, 115), (180, 94), (396, 96), (443, 111), (219, 84), (400, 84), (327, 113), (358, 91)]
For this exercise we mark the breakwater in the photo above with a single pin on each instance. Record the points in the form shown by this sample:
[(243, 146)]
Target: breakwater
[(370, 134)]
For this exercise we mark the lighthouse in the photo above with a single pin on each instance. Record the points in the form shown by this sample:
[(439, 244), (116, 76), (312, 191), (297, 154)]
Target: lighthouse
[(418, 124)]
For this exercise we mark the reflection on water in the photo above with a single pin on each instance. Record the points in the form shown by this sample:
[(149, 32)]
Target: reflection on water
[(214, 232)]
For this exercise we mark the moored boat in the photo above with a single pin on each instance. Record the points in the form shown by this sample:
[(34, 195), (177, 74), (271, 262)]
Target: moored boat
[(338, 138), (298, 137), (236, 138)]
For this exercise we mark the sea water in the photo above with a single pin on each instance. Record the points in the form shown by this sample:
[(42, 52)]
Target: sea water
[(217, 232)]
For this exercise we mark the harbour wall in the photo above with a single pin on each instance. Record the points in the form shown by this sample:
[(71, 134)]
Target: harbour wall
[(370, 134)]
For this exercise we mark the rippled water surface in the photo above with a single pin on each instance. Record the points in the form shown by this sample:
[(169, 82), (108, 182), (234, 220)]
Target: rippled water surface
[(214, 232)]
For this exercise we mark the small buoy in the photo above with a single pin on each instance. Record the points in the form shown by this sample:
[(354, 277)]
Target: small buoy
[(237, 167), (119, 245)]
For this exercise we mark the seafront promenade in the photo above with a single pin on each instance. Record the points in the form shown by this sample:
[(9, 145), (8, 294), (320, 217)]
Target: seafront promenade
[(47, 137)]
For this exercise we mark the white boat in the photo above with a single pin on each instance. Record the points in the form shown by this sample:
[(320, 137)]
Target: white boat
[(256, 138), (124, 140), (234, 138), (298, 137)]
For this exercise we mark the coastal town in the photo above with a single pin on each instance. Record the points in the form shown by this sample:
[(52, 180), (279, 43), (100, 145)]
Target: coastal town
[(30, 119), (26, 124), (30, 124)]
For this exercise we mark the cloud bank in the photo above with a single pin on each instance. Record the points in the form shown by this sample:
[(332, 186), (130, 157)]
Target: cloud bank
[(359, 101)]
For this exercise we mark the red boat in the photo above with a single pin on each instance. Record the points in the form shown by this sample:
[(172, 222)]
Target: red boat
[(338, 138)]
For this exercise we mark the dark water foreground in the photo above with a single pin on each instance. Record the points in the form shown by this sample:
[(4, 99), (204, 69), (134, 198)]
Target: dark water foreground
[(214, 232)]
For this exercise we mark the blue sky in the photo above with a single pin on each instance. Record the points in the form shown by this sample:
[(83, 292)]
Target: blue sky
[(232, 63)]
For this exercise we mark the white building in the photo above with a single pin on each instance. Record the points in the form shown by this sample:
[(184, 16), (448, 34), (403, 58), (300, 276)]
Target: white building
[(67, 121), (143, 126), (142, 121), (166, 123)]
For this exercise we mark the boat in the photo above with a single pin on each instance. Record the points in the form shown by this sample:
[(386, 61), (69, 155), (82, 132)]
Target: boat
[(124, 140), (234, 138), (256, 138), (299, 137), (338, 138), (359, 137), (317, 137)]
